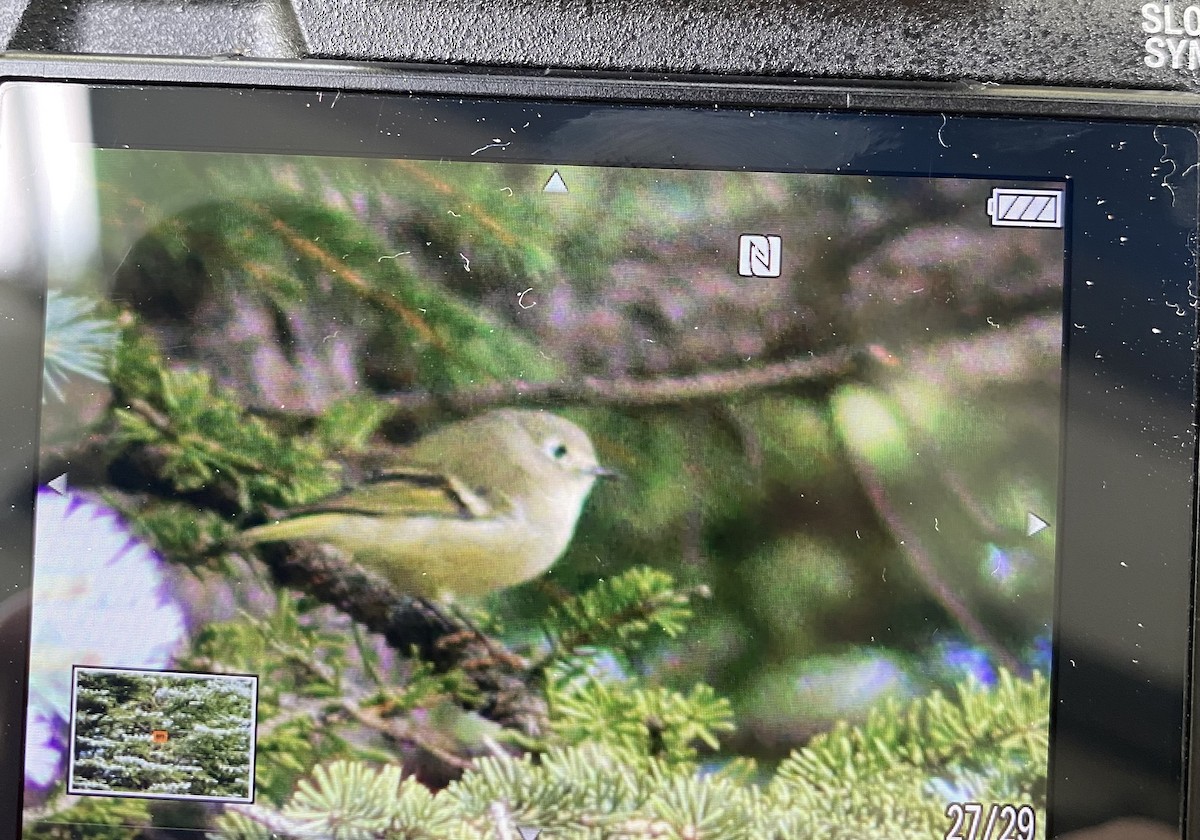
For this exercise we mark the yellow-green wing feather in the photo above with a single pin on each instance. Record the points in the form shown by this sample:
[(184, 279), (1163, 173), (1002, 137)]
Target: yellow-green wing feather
[(405, 492)]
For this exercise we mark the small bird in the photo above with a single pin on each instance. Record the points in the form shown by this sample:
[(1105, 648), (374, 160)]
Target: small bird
[(478, 506)]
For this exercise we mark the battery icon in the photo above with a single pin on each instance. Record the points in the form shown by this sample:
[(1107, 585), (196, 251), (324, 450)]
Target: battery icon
[(1026, 208)]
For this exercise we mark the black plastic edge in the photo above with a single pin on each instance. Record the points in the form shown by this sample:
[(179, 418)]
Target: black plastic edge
[(961, 97)]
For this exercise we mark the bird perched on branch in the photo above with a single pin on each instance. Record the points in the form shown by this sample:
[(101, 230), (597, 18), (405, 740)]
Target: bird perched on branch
[(476, 506)]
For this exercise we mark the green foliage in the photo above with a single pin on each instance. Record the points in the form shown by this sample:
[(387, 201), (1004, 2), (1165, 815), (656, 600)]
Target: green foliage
[(286, 750), (448, 341), (348, 424), (651, 721), (294, 656), (301, 664), (980, 727), (183, 532), (350, 801), (425, 687), (872, 780), (620, 612), (984, 745), (205, 436)]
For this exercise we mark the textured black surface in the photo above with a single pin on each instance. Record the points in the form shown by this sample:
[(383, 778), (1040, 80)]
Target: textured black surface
[(1061, 42)]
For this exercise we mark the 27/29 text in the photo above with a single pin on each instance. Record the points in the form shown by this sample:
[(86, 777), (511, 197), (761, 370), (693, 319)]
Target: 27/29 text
[(995, 821)]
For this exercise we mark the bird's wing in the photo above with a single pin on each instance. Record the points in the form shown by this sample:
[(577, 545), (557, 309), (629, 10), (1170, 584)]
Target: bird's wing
[(412, 491)]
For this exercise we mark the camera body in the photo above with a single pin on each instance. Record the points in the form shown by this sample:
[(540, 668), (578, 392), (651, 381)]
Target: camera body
[(1099, 44), (1091, 61)]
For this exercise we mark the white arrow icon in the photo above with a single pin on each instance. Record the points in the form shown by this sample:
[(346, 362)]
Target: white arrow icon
[(59, 485), (556, 184), (1034, 524), (528, 833)]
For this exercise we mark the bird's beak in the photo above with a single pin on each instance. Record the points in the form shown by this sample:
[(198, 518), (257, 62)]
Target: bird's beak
[(604, 472)]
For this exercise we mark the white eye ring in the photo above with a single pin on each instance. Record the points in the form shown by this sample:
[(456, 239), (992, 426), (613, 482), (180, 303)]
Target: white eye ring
[(556, 450)]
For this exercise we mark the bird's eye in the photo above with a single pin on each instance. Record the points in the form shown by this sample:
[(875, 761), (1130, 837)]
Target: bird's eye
[(559, 452)]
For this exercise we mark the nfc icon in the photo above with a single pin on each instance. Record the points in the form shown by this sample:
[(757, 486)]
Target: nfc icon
[(759, 256)]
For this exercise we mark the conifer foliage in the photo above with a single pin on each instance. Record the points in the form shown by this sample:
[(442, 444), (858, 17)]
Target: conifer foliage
[(888, 778)]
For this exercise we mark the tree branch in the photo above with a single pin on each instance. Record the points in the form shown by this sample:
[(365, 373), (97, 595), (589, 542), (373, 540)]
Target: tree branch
[(1007, 355), (404, 731), (411, 625), (632, 392)]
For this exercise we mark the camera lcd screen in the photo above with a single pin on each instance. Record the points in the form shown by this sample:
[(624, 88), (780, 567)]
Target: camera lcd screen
[(417, 469)]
